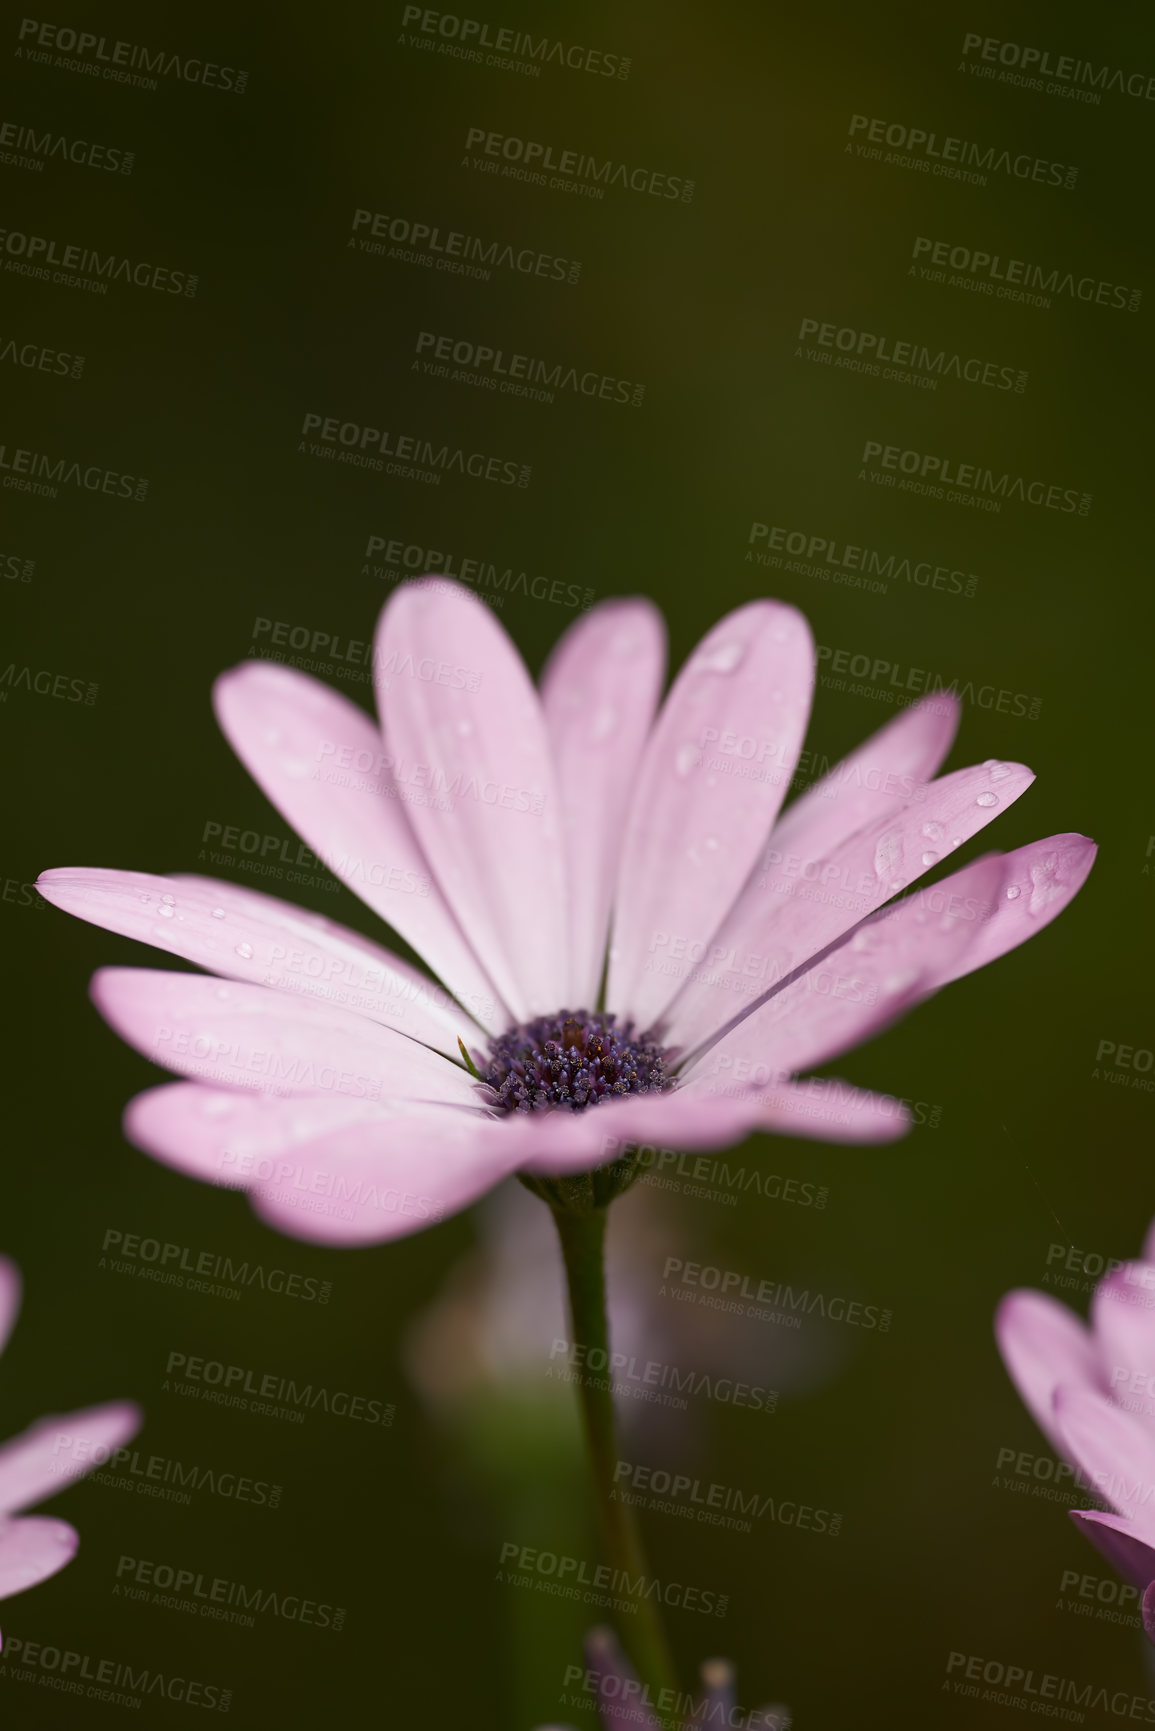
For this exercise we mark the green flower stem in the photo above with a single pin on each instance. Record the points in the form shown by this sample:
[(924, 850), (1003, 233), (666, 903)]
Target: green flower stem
[(582, 1235)]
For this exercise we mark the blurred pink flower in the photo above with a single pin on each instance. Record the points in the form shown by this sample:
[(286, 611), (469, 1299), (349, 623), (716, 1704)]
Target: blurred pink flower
[(1092, 1392), (501, 831), (624, 1705), (48, 1457)]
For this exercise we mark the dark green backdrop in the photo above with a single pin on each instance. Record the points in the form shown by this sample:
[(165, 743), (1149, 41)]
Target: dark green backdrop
[(204, 395)]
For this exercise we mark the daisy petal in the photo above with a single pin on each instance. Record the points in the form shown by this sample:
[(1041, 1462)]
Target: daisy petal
[(1129, 1546), (53, 1453), (237, 1140), (10, 1287), (830, 1110), (492, 826), (797, 907), (1043, 1344), (325, 767), (600, 689), (616, 1687), (859, 987), (239, 934), (1121, 1315), (1114, 1451), (1041, 879), (697, 824), (893, 765), (250, 1037), (32, 1549), (372, 1183)]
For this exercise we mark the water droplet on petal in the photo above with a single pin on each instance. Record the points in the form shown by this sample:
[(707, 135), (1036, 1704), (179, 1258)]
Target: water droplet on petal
[(887, 853), (933, 831), (686, 758), (1046, 884), (164, 910), (861, 939), (901, 981), (146, 898), (216, 1105), (724, 659), (245, 951), (929, 858), (956, 841), (218, 913), (1013, 892), (987, 799), (169, 901), (463, 728), (897, 883)]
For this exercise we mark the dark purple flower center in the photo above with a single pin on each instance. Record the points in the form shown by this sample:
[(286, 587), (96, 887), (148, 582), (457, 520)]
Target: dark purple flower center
[(573, 1059)]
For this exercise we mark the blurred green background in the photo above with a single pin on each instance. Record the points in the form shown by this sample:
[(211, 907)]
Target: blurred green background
[(254, 193)]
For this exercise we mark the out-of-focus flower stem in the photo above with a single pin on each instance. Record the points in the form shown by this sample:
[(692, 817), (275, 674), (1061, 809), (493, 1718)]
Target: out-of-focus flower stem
[(582, 1237)]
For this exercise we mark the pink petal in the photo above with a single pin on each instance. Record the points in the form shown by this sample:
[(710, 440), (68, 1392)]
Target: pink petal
[(53, 1453), (1123, 1317), (828, 1110), (861, 986), (239, 1139), (891, 767), (31, 1550), (10, 1287), (1043, 1344), (371, 1184), (240, 934), (324, 765), (1041, 879), (250, 1037), (492, 829), (797, 906), (1114, 1451), (697, 824), (1129, 1546), (600, 689), (616, 1687)]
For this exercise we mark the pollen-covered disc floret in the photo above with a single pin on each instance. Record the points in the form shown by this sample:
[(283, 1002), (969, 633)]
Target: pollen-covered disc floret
[(573, 1059)]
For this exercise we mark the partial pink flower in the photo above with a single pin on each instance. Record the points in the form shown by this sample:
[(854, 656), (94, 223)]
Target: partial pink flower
[(624, 1704), (1092, 1392), (48, 1457), (612, 911)]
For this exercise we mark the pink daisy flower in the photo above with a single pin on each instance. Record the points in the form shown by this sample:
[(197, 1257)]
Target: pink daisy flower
[(624, 1705), (48, 1457), (1092, 1393), (621, 932)]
